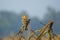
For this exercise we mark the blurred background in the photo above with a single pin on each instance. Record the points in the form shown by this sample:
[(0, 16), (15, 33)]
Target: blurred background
[(36, 10)]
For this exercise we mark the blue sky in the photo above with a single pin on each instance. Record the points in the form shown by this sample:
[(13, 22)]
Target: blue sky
[(33, 7)]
